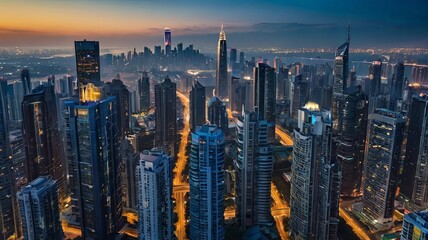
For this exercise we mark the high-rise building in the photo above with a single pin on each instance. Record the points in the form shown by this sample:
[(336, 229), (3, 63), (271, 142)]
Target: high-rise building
[(241, 57), (15, 95), (144, 91), (233, 56), (217, 114), (350, 143), (415, 226), (281, 82), (353, 77), (265, 92), (42, 140), (253, 168), (397, 86), (6, 206), (26, 80), (314, 194), (120, 91), (197, 106), (207, 183), (375, 77), (221, 86), (94, 167), (155, 208), (414, 180), (129, 160), (381, 167), (167, 41), (166, 116), (300, 95), (39, 207), (87, 61)]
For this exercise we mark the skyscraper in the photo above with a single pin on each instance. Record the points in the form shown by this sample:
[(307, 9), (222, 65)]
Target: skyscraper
[(265, 92), (253, 171), (87, 61), (120, 91), (397, 86), (129, 160), (38, 203), (6, 206), (96, 194), (375, 85), (26, 80), (233, 56), (144, 91), (314, 194), (415, 226), (281, 82), (221, 86), (414, 180), (350, 142), (381, 167), (155, 208), (207, 184), (167, 41), (300, 95), (217, 114), (42, 141), (197, 106), (166, 116)]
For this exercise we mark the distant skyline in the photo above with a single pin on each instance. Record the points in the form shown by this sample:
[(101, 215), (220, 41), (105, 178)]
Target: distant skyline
[(248, 24)]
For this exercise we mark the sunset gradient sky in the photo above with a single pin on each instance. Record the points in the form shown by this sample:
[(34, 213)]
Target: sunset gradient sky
[(286, 23)]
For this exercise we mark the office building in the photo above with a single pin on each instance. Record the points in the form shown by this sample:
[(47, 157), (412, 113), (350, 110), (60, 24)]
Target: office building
[(6, 206), (197, 106), (350, 142), (300, 95), (154, 177), (87, 61), (414, 180), (217, 114), (265, 92), (26, 81), (233, 56), (120, 91), (166, 116), (94, 166), (207, 183), (144, 91), (375, 79), (39, 207), (129, 160), (222, 83), (281, 82), (353, 77), (397, 89), (42, 140), (167, 41), (415, 226), (314, 194), (15, 95), (381, 167), (253, 168)]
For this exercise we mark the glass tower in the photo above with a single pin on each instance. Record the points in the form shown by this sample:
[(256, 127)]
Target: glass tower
[(87, 61), (197, 106), (222, 84)]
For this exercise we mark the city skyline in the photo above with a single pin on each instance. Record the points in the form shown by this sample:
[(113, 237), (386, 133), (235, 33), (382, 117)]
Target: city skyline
[(291, 25)]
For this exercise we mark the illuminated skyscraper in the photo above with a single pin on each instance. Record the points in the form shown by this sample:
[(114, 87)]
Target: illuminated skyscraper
[(42, 140), (222, 83), (120, 91), (217, 114), (144, 91), (382, 167), (314, 194), (155, 208), (39, 206), (197, 106), (87, 61), (167, 41), (207, 184), (350, 142), (166, 116), (94, 167), (414, 180), (6, 206), (253, 171)]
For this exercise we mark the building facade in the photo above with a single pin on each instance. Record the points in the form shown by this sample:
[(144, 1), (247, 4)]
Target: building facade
[(197, 106), (222, 85), (415, 226)]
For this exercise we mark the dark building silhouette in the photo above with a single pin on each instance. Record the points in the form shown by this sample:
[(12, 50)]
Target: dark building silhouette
[(42, 141), (300, 95), (397, 86), (87, 61), (26, 80), (375, 85), (414, 186), (233, 56), (351, 139), (265, 92), (6, 206), (221, 86), (166, 116), (217, 114), (144, 91), (119, 90), (197, 106)]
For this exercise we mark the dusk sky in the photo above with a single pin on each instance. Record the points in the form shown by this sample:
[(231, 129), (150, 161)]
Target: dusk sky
[(285, 24)]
